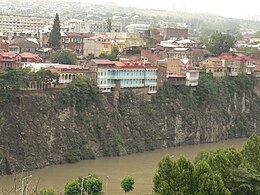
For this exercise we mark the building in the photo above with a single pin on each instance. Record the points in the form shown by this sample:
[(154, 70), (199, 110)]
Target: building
[(130, 39), (162, 34), (4, 45), (69, 72), (140, 28), (19, 45), (177, 72), (215, 66), (13, 60), (99, 44), (13, 23), (74, 41), (237, 63), (125, 74)]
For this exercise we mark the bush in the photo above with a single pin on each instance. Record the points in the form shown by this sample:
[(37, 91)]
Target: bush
[(73, 156), (47, 192)]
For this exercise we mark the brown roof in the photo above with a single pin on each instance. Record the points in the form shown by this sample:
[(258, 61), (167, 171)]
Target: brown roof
[(24, 43)]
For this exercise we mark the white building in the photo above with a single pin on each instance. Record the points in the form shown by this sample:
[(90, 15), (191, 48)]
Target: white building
[(12, 23), (137, 27)]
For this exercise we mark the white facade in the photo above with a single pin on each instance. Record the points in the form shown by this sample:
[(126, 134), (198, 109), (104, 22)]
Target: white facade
[(192, 78), (137, 28), (127, 78), (12, 23)]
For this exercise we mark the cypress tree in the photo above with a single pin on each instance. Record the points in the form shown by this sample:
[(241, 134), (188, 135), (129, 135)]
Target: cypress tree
[(55, 35)]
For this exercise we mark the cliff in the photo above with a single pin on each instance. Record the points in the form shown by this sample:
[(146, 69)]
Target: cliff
[(37, 129)]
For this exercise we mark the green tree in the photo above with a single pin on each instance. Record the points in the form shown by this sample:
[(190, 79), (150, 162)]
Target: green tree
[(220, 43), (242, 181), (127, 183), (93, 185), (63, 57), (251, 152), (174, 177), (114, 53), (90, 185), (55, 34), (206, 182), (73, 187), (109, 25)]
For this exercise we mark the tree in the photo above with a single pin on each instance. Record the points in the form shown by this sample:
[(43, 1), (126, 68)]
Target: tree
[(251, 152), (109, 25), (206, 182), (242, 181), (127, 183), (73, 187), (93, 185), (55, 34), (63, 57), (114, 53), (174, 177), (90, 185), (220, 43)]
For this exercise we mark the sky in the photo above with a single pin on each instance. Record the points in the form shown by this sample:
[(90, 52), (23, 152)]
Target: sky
[(228, 8)]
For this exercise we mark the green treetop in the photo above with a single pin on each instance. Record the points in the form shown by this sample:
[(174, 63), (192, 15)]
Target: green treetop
[(55, 35), (63, 57), (220, 43), (127, 183)]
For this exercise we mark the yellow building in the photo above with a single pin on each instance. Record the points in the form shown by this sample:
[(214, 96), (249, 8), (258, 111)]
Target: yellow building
[(102, 44)]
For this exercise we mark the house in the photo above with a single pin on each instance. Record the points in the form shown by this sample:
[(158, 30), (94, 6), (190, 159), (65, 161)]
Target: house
[(4, 45), (9, 60), (19, 45), (74, 41), (69, 72), (99, 44), (130, 39), (257, 71), (177, 72), (162, 34), (215, 66), (116, 75), (29, 57), (237, 63)]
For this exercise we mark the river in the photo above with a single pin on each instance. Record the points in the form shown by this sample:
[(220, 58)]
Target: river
[(112, 169)]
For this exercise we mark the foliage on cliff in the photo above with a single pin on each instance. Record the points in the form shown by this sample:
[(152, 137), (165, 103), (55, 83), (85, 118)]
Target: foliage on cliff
[(79, 93)]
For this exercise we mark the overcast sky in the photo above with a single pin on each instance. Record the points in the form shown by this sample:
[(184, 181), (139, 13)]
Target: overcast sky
[(228, 8)]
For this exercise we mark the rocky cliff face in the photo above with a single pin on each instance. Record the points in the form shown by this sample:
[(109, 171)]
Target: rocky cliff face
[(37, 131)]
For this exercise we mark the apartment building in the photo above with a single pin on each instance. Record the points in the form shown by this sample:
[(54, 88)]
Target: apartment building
[(13, 23), (80, 26)]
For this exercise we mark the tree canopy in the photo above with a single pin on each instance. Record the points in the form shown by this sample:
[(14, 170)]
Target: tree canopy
[(127, 183), (220, 43), (223, 171), (55, 34), (91, 185), (63, 57)]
